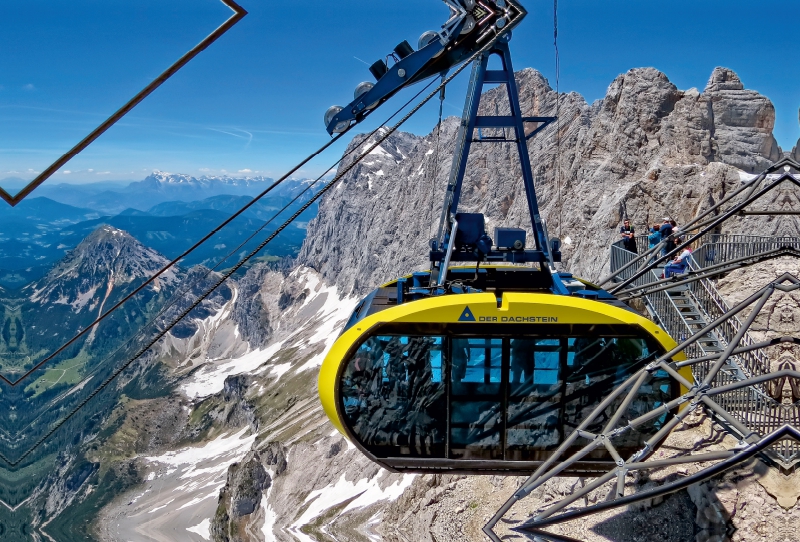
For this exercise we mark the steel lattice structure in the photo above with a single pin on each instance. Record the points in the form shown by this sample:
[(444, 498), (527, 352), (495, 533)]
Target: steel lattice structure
[(736, 385)]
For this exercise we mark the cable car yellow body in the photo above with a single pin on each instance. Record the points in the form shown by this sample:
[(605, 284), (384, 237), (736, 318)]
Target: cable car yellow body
[(515, 307)]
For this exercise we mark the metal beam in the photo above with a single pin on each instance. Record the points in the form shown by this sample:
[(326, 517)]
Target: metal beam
[(739, 457)]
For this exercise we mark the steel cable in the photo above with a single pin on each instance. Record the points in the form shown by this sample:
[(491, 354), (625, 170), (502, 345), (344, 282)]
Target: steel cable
[(258, 249), (558, 117), (216, 230), (176, 298)]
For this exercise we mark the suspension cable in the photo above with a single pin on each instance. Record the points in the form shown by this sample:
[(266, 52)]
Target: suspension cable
[(558, 117), (170, 264), (435, 173), (236, 250), (191, 249), (158, 336)]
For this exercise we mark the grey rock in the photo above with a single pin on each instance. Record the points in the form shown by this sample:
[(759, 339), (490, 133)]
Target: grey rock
[(743, 123), (249, 312), (646, 150), (249, 481), (273, 456)]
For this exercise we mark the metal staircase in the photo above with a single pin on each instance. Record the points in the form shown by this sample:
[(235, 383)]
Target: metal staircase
[(686, 309)]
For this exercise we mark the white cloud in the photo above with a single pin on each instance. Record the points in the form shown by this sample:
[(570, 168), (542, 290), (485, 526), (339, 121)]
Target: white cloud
[(66, 172), (245, 171), (103, 173), (29, 86), (90, 170), (205, 169)]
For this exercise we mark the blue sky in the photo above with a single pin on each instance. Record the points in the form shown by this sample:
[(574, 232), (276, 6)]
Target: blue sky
[(253, 102)]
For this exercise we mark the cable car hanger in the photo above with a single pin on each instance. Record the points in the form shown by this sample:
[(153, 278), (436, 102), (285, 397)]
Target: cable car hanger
[(480, 369)]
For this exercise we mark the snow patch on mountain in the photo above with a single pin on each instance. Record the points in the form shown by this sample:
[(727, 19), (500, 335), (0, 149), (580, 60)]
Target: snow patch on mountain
[(202, 528), (364, 492), (181, 491), (211, 377), (319, 317), (204, 460)]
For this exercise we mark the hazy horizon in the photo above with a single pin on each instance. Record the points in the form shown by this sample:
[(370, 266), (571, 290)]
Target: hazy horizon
[(252, 103)]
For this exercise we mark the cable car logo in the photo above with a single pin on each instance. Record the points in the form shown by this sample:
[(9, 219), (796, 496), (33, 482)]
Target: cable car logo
[(467, 315)]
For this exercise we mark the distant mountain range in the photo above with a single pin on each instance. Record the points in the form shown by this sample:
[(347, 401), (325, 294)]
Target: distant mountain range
[(110, 198), (165, 212)]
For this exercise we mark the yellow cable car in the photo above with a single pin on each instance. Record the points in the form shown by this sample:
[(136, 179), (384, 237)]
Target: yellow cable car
[(487, 368), (488, 382)]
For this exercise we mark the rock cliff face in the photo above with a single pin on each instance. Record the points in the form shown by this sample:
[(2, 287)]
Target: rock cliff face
[(647, 150)]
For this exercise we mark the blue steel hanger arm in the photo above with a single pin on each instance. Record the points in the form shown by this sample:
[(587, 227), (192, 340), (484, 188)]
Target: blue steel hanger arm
[(472, 24), (456, 240)]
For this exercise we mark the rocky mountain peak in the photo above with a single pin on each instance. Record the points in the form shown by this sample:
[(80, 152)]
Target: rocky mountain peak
[(723, 79), (107, 258), (646, 150)]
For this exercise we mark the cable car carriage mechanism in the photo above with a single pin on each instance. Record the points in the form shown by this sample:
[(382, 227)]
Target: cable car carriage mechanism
[(487, 366)]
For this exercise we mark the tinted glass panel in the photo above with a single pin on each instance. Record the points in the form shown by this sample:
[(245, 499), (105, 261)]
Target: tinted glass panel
[(394, 397), (534, 399), (512, 397), (476, 398), (596, 366)]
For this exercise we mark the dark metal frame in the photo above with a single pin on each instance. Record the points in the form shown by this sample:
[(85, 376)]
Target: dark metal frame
[(708, 392), (437, 57), (724, 387), (442, 253), (238, 13)]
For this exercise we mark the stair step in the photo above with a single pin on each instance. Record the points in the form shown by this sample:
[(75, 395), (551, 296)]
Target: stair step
[(681, 288)]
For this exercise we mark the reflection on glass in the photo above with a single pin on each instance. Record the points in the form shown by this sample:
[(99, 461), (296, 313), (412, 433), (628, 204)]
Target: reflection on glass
[(393, 395), (476, 399), (534, 398), (495, 398), (596, 367)]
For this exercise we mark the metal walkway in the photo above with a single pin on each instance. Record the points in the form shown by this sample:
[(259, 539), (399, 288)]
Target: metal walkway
[(752, 397), (687, 308)]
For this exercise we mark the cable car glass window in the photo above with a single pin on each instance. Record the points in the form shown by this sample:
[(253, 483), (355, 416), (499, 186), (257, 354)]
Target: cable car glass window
[(534, 398), (393, 395), (476, 407), (598, 365)]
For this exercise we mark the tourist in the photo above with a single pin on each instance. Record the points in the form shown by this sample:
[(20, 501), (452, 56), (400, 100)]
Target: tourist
[(679, 265), (653, 239), (666, 235), (676, 235), (655, 236), (628, 235)]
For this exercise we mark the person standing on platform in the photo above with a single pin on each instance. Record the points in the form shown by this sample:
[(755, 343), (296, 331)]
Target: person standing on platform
[(628, 235), (653, 239), (666, 235), (655, 236)]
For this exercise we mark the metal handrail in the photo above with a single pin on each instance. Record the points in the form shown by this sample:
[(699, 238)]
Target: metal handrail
[(726, 247), (751, 405), (708, 299)]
